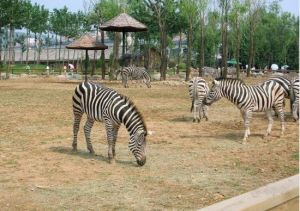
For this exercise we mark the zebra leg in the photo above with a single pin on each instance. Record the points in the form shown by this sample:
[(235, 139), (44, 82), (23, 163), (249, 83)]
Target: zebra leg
[(204, 109), (116, 129), (281, 115), (295, 110), (270, 122), (247, 117), (87, 131), (77, 118), (196, 112), (111, 132)]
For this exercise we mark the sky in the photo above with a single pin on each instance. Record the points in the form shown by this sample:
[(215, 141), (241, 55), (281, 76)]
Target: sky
[(75, 5)]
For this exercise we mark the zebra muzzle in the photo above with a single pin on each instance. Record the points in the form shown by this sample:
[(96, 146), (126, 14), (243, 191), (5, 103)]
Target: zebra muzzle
[(142, 161)]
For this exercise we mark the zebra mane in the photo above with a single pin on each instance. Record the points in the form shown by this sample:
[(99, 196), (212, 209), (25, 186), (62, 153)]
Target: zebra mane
[(230, 79), (136, 109)]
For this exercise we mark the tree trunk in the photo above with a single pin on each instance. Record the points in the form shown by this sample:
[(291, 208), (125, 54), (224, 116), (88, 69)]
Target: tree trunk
[(201, 53), (163, 52), (238, 46), (39, 49), (35, 48), (189, 53), (115, 56), (103, 68), (27, 46), (10, 47), (251, 45), (48, 42), (0, 50), (68, 53), (179, 52), (224, 50), (59, 53), (95, 55)]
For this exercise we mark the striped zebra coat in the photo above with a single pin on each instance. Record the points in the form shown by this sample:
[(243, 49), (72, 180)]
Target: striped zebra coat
[(198, 89), (106, 105), (295, 96), (286, 85), (249, 99), (135, 73)]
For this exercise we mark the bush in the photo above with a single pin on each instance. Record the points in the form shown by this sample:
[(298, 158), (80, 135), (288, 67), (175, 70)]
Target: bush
[(181, 66)]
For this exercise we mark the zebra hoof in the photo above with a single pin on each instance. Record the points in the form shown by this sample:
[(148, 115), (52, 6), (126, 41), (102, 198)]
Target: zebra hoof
[(92, 151), (74, 147), (194, 120)]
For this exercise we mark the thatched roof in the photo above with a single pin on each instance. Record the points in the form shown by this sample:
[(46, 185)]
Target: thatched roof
[(87, 42), (123, 23)]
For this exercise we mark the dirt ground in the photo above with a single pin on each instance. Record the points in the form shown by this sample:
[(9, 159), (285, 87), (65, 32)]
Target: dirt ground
[(189, 165)]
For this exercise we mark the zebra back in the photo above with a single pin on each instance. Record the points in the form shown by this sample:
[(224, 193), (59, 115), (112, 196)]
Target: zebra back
[(284, 82)]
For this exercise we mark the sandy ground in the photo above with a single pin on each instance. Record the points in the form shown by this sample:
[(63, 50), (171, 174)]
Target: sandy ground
[(189, 165)]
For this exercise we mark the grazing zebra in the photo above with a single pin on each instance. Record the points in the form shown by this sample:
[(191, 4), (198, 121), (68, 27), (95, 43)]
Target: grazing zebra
[(198, 89), (104, 104), (249, 99), (135, 73), (295, 93)]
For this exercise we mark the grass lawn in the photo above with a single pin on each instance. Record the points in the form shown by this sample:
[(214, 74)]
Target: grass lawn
[(189, 165)]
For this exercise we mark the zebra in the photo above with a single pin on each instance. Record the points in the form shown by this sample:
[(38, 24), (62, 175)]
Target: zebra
[(106, 105), (286, 85), (135, 73), (295, 96), (249, 99), (198, 89)]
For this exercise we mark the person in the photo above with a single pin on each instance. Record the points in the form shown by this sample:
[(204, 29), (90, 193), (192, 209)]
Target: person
[(65, 69), (47, 70), (28, 69)]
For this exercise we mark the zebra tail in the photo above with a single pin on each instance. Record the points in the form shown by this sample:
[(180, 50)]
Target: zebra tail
[(192, 107), (292, 97)]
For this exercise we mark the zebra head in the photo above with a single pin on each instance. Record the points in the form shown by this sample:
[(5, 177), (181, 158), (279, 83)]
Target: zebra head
[(137, 146), (214, 94)]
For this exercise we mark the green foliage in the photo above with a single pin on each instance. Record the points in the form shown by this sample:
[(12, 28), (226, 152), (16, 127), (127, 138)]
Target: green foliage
[(181, 66)]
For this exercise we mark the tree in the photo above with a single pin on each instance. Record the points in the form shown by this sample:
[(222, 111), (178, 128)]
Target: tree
[(190, 13), (4, 20), (202, 5), (225, 6), (15, 19), (236, 17), (162, 10), (254, 8)]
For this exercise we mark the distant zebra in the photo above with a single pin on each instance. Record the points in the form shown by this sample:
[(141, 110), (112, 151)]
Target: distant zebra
[(198, 89), (104, 104), (135, 73), (295, 93), (249, 99)]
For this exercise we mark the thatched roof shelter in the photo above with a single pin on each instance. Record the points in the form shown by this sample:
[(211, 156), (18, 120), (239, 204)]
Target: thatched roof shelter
[(123, 23), (87, 42)]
